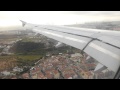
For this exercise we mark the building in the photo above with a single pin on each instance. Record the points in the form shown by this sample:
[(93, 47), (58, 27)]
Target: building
[(76, 55), (67, 76), (25, 76), (34, 76), (76, 59), (13, 78), (49, 74), (6, 73), (41, 76), (90, 66), (87, 75), (16, 69), (56, 74), (35, 70)]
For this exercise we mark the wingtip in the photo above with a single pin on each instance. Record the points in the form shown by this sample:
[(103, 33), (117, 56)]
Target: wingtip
[(23, 23)]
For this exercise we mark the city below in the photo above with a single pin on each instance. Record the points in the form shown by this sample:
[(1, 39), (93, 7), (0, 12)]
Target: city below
[(27, 55)]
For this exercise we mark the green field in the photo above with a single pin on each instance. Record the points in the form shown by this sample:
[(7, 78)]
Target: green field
[(28, 57), (21, 57), (27, 60)]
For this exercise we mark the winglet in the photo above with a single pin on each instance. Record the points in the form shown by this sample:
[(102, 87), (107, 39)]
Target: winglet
[(23, 23)]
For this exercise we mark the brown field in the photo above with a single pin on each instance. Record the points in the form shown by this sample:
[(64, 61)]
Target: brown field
[(7, 62)]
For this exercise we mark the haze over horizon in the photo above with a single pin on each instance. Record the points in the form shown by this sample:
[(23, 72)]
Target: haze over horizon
[(10, 19)]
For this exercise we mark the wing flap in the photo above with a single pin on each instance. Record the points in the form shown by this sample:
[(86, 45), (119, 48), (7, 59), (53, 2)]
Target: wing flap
[(105, 54)]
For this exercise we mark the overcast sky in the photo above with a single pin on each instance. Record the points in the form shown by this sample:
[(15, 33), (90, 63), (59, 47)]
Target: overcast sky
[(11, 18)]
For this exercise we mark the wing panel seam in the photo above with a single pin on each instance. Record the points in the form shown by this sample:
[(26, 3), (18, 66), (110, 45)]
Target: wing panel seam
[(86, 37)]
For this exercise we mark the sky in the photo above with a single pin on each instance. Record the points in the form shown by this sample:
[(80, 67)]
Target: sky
[(10, 19)]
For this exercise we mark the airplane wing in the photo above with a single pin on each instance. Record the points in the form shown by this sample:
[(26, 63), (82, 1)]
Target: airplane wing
[(102, 45)]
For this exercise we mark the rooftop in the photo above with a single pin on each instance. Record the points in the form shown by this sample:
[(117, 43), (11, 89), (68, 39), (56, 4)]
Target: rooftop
[(25, 75)]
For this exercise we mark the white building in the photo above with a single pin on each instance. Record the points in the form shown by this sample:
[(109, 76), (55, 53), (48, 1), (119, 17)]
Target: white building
[(6, 73), (16, 69), (76, 55)]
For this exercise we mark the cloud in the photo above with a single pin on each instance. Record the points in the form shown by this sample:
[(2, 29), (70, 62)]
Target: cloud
[(93, 13), (97, 15), (58, 17)]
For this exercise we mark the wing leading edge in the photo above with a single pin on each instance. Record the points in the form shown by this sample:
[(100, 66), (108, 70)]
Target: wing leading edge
[(102, 45)]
